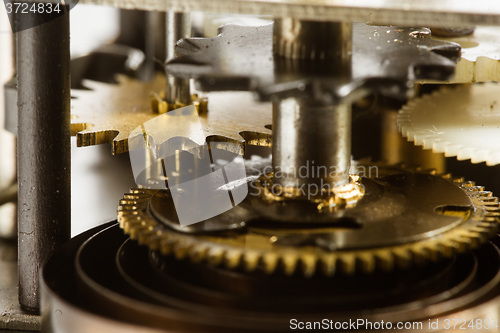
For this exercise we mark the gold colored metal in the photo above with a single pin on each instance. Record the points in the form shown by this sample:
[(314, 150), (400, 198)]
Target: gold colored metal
[(395, 149), (108, 113), (258, 249), (161, 106)]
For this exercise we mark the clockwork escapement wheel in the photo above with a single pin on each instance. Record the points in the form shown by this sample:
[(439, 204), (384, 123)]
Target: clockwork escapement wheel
[(404, 219)]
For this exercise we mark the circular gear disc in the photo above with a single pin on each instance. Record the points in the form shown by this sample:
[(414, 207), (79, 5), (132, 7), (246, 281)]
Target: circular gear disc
[(480, 60), (457, 121), (259, 247)]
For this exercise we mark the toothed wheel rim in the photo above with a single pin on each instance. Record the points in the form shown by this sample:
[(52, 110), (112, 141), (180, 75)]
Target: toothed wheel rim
[(136, 220), (459, 121)]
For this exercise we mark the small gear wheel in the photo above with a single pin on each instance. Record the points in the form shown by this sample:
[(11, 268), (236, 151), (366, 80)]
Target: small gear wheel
[(405, 218)]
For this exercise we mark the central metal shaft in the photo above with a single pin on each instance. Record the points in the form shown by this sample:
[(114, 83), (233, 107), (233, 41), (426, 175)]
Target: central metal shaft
[(312, 140), (178, 25), (311, 143)]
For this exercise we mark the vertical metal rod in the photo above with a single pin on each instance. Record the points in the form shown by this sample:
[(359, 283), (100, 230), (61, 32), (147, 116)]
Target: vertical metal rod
[(178, 25), (311, 143), (43, 62), (311, 140)]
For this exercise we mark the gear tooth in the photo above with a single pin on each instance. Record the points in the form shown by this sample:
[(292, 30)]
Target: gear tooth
[(126, 202), (403, 257), (468, 184), (251, 260), (167, 245), (365, 262), (347, 263), (447, 176), (435, 252), (463, 244), (385, 260), (308, 263), (216, 255), (136, 231), (447, 248), (421, 254), (143, 235), (328, 262), (182, 249), (289, 261), (154, 242), (270, 261), (449, 149), (128, 207), (487, 198), (233, 259), (430, 142), (198, 253)]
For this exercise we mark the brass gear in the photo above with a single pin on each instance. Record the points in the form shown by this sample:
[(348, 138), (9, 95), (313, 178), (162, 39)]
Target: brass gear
[(256, 251), (108, 113)]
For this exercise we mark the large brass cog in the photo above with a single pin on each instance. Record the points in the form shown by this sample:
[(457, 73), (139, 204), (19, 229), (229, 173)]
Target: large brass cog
[(108, 113), (258, 249)]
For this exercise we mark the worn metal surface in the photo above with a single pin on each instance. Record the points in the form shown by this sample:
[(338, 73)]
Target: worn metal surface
[(385, 60), (109, 113), (416, 12), (43, 148)]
